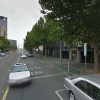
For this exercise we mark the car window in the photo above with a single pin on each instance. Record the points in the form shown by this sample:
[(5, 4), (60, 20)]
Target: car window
[(84, 86), (19, 69), (95, 93), (91, 90)]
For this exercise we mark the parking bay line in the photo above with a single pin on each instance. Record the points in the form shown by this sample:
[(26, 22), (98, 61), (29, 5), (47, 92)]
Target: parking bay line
[(48, 76), (57, 92)]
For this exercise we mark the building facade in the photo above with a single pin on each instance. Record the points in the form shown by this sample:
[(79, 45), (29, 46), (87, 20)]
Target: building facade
[(13, 42), (3, 31), (3, 26)]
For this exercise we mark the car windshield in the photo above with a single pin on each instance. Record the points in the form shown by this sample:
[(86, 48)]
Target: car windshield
[(19, 69)]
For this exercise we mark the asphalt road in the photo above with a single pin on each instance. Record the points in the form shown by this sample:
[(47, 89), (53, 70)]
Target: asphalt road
[(47, 80)]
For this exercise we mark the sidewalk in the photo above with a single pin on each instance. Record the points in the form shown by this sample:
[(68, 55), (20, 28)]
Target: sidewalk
[(74, 67)]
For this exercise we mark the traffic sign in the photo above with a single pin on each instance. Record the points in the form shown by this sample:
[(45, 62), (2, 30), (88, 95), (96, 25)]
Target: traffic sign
[(85, 49)]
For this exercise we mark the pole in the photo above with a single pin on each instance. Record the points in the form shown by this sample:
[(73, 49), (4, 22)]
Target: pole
[(60, 53), (68, 67), (85, 54), (85, 64)]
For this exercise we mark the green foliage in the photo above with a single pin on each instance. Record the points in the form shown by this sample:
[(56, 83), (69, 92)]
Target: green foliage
[(4, 43), (80, 20), (13, 47), (1, 43), (79, 17), (44, 32)]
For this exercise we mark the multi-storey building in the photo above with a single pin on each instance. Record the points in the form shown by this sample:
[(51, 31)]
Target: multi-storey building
[(13, 42), (3, 25), (3, 31)]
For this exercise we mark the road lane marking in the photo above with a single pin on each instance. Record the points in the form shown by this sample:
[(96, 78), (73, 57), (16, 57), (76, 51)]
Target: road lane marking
[(31, 73), (8, 87), (18, 59), (57, 92), (48, 76), (60, 69), (31, 68), (40, 72), (6, 92)]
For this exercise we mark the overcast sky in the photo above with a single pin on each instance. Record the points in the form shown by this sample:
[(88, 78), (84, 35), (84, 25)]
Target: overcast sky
[(21, 16)]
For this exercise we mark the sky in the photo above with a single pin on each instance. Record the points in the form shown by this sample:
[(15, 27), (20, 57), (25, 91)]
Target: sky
[(21, 16)]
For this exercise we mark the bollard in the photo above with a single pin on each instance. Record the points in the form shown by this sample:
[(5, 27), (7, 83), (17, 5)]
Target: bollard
[(68, 67)]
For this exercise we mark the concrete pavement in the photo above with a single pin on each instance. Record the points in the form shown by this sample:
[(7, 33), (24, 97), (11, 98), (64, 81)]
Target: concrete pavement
[(74, 67)]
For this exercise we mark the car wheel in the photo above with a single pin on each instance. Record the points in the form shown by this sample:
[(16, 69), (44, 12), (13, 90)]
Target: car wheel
[(71, 96)]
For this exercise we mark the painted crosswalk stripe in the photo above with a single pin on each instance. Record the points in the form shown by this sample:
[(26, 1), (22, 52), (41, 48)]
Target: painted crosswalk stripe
[(31, 73)]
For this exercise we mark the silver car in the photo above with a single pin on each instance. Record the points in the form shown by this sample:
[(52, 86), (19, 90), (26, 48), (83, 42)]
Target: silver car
[(2, 54), (19, 74), (85, 87), (23, 56)]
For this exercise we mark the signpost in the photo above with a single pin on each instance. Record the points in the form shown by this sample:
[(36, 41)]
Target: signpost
[(60, 53), (85, 53)]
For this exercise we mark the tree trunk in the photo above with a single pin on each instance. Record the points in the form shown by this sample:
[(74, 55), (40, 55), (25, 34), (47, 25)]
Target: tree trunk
[(45, 50), (96, 59)]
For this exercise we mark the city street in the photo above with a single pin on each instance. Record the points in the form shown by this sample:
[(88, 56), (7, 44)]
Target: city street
[(47, 80), (54, 46)]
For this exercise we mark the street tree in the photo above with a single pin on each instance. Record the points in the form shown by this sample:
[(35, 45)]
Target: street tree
[(80, 18), (28, 41), (4, 43), (42, 33)]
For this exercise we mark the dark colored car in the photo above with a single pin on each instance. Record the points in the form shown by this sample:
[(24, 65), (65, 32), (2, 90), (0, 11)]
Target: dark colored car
[(30, 55)]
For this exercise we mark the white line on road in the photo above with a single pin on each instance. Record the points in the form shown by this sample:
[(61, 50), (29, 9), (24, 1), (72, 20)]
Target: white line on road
[(60, 69), (48, 76), (59, 94), (31, 68), (31, 73)]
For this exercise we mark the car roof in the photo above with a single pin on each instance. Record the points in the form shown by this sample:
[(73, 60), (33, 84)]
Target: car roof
[(19, 66), (95, 78)]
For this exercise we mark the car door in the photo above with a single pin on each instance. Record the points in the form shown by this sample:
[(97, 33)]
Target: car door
[(82, 91)]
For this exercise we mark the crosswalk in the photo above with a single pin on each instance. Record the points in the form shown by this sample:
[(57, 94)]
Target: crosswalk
[(35, 71), (35, 68)]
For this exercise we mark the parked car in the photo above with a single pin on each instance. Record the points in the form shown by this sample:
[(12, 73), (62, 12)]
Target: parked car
[(26, 52), (30, 55), (10, 52), (85, 87), (23, 56), (2, 54), (19, 75), (7, 53)]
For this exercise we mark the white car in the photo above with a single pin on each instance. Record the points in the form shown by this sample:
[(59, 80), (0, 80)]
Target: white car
[(19, 75), (86, 87), (2, 54), (23, 56)]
